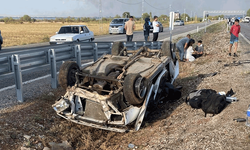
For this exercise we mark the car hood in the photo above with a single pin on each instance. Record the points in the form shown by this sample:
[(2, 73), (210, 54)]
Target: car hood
[(64, 36)]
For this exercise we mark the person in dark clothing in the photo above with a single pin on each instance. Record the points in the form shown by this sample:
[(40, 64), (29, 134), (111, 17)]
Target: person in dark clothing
[(198, 50), (1, 40), (146, 29)]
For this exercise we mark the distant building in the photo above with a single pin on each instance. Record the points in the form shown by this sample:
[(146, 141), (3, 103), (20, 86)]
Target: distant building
[(177, 16)]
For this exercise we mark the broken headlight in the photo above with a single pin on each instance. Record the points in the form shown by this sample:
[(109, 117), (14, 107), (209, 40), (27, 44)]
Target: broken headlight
[(61, 105)]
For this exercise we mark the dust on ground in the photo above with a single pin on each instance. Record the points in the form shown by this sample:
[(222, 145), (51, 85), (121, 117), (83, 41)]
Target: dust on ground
[(174, 125)]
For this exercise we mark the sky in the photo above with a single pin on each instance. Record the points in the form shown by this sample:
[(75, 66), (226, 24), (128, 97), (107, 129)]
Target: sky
[(90, 8)]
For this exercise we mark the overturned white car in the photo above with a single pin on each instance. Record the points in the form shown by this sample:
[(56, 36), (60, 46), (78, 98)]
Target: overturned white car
[(115, 91)]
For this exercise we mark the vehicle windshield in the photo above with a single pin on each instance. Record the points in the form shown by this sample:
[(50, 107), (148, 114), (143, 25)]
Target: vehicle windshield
[(117, 21), (177, 21), (69, 30)]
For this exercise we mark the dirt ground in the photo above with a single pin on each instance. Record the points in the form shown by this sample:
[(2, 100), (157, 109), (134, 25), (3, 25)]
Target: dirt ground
[(174, 125)]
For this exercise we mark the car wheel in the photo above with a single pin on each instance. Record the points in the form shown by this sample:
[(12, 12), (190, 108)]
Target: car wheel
[(134, 89), (166, 49), (116, 48), (124, 31), (110, 33), (67, 72)]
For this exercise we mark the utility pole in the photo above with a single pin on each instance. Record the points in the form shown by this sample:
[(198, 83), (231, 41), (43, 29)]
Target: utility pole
[(184, 16), (142, 10), (100, 16)]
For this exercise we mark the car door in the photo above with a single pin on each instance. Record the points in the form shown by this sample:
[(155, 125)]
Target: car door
[(87, 33), (82, 35)]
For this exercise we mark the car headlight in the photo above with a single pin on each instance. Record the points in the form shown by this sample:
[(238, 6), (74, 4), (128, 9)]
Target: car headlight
[(61, 105), (52, 39)]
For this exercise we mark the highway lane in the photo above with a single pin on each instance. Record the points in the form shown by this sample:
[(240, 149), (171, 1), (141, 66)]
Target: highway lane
[(138, 36), (245, 30)]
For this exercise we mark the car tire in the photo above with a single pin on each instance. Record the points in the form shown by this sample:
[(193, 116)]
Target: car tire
[(116, 48), (124, 31), (166, 49), (110, 33), (129, 89), (67, 72)]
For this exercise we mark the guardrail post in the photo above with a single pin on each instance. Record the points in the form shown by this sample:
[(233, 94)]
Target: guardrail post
[(159, 45), (111, 45), (78, 55), (18, 76), (10, 64), (52, 62), (135, 45), (152, 45), (95, 52)]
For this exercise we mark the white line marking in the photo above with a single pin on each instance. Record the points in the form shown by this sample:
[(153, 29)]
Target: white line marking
[(245, 38)]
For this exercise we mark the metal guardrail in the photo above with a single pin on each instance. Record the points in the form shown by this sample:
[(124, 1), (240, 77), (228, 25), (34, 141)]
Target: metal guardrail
[(80, 51)]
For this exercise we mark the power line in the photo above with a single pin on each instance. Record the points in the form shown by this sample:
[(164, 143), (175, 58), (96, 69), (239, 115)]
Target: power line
[(129, 3), (156, 7)]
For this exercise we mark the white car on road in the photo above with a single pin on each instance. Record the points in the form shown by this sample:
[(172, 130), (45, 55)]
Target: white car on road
[(178, 23), (72, 33)]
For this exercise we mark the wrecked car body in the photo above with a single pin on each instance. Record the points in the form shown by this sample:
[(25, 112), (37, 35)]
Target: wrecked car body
[(114, 92)]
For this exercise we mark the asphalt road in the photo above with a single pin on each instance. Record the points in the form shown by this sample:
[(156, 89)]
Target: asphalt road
[(245, 30), (137, 36), (28, 75)]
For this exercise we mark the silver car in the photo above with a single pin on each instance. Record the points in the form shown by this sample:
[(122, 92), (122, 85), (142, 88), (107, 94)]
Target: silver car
[(117, 25), (178, 23)]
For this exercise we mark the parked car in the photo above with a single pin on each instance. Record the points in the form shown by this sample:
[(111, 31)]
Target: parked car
[(178, 23), (161, 27), (245, 20), (115, 91), (72, 33), (117, 25)]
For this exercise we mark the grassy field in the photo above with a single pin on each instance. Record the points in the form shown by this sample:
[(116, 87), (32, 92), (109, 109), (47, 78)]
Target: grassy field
[(29, 33)]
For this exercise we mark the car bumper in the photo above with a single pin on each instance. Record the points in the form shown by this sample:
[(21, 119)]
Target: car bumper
[(94, 110), (116, 30)]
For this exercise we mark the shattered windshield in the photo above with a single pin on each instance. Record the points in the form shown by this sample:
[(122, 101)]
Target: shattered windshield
[(70, 30)]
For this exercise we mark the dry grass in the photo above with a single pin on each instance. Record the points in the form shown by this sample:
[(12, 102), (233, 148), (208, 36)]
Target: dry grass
[(28, 33)]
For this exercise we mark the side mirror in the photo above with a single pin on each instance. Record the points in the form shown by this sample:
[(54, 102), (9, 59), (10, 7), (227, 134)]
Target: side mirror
[(56, 32), (81, 32)]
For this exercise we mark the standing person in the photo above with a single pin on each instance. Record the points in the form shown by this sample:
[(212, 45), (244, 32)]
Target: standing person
[(1, 40), (182, 45), (130, 27), (146, 28), (234, 32), (156, 27)]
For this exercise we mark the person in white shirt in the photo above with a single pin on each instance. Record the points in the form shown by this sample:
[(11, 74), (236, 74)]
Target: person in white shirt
[(190, 50), (156, 27)]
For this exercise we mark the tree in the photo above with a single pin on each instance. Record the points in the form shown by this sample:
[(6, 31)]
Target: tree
[(183, 17), (163, 17), (117, 16), (248, 12), (145, 15), (126, 15), (26, 18)]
